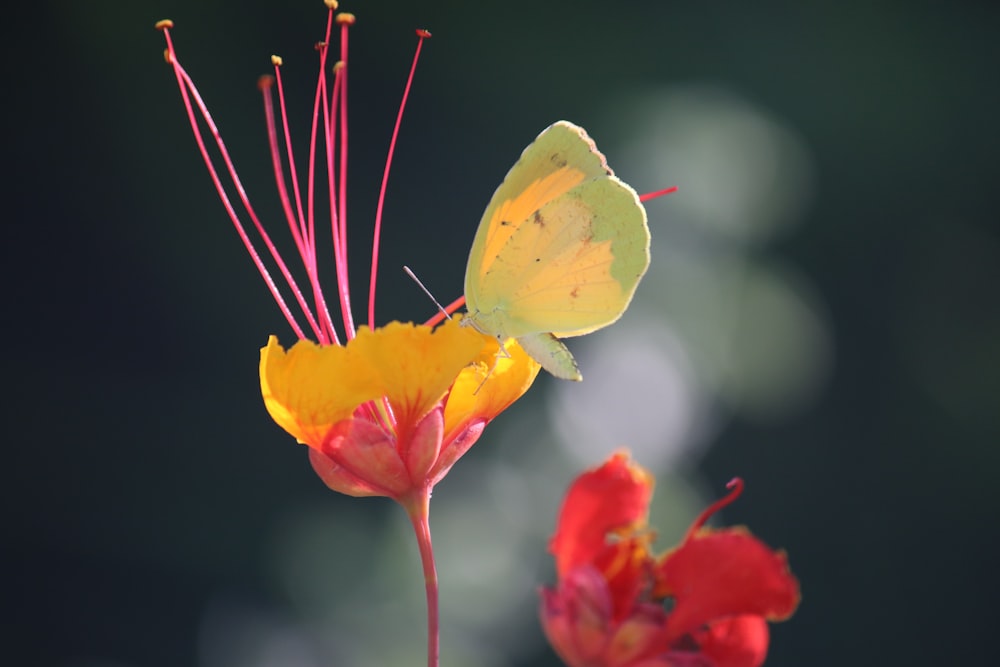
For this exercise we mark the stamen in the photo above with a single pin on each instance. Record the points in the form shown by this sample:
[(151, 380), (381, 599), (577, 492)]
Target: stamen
[(188, 92), (736, 489), (301, 215), (338, 234), (320, 99), (265, 83), (165, 25), (658, 193), (422, 35), (302, 235), (344, 20)]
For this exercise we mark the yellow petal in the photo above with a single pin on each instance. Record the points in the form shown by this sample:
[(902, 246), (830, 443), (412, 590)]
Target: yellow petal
[(311, 387), (416, 364), (507, 377)]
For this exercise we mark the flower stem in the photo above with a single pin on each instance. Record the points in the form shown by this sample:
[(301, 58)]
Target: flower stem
[(418, 508)]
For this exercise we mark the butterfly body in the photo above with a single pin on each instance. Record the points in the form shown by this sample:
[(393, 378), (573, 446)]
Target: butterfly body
[(559, 251)]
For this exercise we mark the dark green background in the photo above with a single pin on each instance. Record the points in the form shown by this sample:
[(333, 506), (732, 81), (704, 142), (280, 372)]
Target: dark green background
[(140, 462)]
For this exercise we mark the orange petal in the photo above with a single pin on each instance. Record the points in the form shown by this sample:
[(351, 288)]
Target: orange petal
[(721, 573), (415, 364), (311, 387), (611, 499), (489, 386)]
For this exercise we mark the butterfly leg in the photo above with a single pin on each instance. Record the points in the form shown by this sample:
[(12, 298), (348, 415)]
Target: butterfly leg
[(502, 352)]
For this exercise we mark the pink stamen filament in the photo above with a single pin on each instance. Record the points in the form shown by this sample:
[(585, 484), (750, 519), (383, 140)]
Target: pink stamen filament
[(265, 83), (736, 489), (331, 100), (304, 240), (188, 92), (340, 84), (305, 237), (296, 221), (422, 35), (657, 193)]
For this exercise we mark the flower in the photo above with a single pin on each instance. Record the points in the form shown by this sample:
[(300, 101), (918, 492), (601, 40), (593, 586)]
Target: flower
[(704, 603), (389, 413), (384, 410)]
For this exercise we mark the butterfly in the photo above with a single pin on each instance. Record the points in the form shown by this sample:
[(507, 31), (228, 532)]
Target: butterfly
[(559, 250)]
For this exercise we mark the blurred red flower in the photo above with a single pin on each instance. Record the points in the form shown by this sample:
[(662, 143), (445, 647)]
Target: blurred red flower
[(704, 603)]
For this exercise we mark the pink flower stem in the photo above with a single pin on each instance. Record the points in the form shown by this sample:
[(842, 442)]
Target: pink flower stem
[(418, 508)]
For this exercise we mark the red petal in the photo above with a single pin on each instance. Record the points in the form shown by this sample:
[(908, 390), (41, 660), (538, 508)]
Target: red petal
[(576, 617), (627, 568), (639, 638), (424, 445), (368, 453), (740, 641), (341, 480), (724, 573), (613, 498), (454, 448)]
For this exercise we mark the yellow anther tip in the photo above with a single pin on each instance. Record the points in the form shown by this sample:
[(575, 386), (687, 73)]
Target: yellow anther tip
[(331, 4), (277, 61), (346, 18), (165, 23)]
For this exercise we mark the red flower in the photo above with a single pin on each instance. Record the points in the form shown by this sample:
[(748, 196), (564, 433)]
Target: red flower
[(705, 603)]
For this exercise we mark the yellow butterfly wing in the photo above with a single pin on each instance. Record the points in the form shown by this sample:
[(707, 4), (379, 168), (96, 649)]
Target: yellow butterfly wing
[(559, 251)]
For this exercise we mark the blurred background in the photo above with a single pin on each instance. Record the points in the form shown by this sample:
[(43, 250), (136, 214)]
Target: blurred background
[(821, 318)]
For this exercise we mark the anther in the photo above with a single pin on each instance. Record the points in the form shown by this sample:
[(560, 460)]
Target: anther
[(164, 24), (277, 61), (423, 34), (346, 18), (331, 4), (265, 82)]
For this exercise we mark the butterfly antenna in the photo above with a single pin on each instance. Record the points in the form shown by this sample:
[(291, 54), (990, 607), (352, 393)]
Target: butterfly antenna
[(426, 291)]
